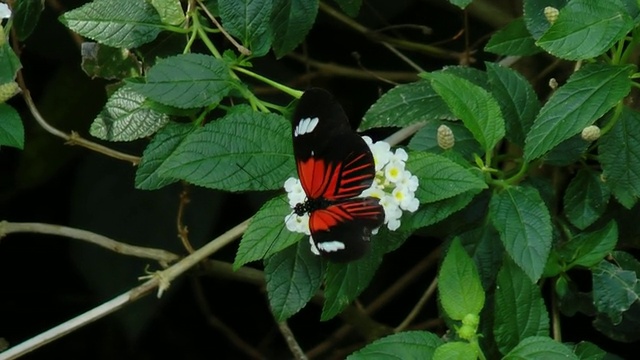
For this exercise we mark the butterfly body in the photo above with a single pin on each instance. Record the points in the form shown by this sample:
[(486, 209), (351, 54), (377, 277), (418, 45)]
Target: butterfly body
[(335, 166)]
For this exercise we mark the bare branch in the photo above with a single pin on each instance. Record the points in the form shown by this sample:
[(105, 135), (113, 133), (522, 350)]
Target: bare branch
[(220, 326), (161, 280), (162, 256), (418, 307), (290, 339), (74, 138)]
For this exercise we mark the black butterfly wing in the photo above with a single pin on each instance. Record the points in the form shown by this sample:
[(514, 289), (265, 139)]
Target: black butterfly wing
[(342, 231), (333, 161)]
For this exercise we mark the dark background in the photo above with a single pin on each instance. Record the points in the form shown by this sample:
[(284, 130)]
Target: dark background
[(46, 280)]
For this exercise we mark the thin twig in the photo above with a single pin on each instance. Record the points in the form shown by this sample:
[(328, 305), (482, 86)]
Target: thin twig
[(404, 133), (73, 138), (162, 256), (160, 280), (418, 307), (390, 293), (388, 42), (352, 72), (220, 326), (290, 339), (79, 321), (183, 230), (556, 330), (243, 50)]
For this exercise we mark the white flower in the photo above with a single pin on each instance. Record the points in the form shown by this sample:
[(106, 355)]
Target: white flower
[(375, 191), (408, 181), (394, 171), (5, 12), (295, 192), (400, 155), (297, 223), (381, 152), (405, 198)]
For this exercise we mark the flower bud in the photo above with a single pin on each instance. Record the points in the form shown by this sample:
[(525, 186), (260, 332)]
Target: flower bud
[(446, 140), (591, 133), (8, 90), (551, 14)]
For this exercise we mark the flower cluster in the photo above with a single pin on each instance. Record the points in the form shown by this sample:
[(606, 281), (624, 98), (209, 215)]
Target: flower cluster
[(394, 185)]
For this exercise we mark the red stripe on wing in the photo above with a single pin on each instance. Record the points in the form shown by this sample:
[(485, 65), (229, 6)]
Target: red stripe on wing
[(337, 181), (366, 209)]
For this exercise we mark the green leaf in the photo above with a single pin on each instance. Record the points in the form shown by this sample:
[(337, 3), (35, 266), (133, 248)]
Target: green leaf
[(290, 22), (441, 178), (540, 348), (619, 151), (108, 62), (586, 28), (9, 64), (588, 94), (344, 282), (266, 233), (292, 276), (477, 108), (117, 23), (163, 144), (186, 81), (26, 14), (245, 150), (518, 101), (484, 246), (513, 40), (462, 4), (523, 222), (170, 11), (585, 199), (11, 128), (407, 345), (426, 139), (405, 105), (459, 284), (614, 290), (585, 350), (567, 152), (522, 309), (588, 249), (534, 18), (439, 210), (124, 118), (455, 350), (473, 75), (248, 20), (350, 7)]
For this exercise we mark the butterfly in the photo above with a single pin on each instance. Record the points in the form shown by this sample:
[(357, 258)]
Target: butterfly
[(334, 166)]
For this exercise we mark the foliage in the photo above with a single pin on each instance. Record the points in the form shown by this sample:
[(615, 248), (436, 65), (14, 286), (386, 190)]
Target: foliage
[(549, 198)]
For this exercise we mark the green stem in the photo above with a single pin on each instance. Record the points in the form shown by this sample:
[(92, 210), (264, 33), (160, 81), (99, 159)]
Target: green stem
[(175, 29), (192, 39), (522, 172), (616, 115), (617, 54), (287, 90), (205, 38)]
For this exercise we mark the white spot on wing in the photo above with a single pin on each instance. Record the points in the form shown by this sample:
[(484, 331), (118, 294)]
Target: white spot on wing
[(330, 246), (314, 249), (306, 126)]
